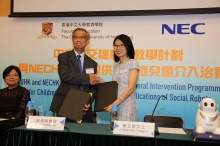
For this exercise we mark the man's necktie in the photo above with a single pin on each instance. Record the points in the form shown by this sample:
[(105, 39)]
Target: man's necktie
[(80, 68)]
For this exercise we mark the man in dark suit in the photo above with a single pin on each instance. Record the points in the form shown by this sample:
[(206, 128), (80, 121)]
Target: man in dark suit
[(73, 76)]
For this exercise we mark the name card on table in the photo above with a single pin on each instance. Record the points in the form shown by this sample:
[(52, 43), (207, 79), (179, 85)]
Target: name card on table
[(44, 122), (134, 128)]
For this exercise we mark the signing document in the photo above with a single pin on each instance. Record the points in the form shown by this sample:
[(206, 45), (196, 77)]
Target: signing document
[(171, 130)]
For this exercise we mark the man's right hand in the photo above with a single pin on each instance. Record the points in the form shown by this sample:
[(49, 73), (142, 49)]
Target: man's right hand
[(92, 79)]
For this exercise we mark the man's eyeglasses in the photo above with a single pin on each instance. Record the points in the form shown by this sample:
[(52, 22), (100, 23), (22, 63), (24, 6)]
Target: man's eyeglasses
[(79, 37), (119, 46), (14, 76)]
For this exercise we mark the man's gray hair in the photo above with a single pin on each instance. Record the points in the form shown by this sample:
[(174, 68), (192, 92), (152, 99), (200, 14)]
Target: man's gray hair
[(87, 33)]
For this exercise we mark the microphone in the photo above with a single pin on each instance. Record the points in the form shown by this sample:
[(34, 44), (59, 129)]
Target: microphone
[(151, 120)]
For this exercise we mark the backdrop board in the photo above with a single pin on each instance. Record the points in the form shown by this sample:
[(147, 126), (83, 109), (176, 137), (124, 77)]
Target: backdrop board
[(178, 57), (69, 8)]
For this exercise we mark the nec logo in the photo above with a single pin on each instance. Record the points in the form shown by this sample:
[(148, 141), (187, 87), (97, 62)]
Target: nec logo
[(183, 28)]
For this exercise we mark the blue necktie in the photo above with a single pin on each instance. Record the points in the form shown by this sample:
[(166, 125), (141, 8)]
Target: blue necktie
[(80, 68)]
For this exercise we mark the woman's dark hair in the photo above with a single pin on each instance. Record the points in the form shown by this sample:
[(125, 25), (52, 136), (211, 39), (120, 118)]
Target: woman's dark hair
[(128, 45), (9, 69)]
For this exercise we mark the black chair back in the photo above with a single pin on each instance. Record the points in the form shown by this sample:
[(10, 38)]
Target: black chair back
[(165, 121)]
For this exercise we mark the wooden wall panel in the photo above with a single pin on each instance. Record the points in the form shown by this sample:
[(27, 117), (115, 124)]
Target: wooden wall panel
[(5, 8)]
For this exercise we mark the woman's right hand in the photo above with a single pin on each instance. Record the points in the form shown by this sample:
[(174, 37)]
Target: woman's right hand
[(99, 79), (108, 108)]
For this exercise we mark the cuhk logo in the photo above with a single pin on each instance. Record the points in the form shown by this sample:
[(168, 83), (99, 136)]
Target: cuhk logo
[(47, 30)]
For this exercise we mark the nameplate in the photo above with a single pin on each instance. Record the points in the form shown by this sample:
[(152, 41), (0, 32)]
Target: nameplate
[(134, 128), (44, 122)]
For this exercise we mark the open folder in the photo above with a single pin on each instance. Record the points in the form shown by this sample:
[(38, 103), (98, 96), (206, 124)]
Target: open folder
[(106, 94), (73, 104)]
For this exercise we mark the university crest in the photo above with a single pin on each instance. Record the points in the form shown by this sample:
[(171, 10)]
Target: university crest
[(47, 28)]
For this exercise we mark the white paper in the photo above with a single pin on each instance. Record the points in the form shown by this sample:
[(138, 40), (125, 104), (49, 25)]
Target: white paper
[(2, 119), (171, 130)]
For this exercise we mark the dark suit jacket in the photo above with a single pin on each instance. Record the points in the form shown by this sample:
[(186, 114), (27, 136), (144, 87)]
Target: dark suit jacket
[(71, 77)]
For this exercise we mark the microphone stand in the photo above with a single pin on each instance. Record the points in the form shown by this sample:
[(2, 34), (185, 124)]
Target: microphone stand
[(151, 120)]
